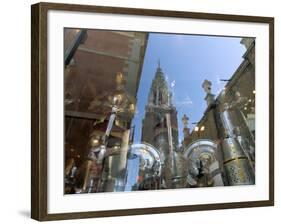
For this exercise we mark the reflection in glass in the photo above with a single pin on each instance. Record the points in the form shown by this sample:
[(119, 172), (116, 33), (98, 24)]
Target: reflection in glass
[(132, 123)]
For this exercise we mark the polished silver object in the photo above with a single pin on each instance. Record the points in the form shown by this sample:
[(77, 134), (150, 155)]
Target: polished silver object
[(148, 164), (237, 163), (110, 123), (73, 172), (97, 154), (203, 164)]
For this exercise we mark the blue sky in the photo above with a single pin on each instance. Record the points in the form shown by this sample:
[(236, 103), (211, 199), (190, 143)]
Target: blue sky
[(187, 60)]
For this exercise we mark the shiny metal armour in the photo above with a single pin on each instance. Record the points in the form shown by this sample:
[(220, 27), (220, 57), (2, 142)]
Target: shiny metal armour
[(201, 150), (145, 172), (236, 163)]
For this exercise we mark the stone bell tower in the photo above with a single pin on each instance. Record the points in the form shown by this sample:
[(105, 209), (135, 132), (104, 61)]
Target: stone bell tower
[(160, 125)]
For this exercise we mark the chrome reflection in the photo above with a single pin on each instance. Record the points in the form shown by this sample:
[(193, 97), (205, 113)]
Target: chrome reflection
[(148, 163), (203, 167)]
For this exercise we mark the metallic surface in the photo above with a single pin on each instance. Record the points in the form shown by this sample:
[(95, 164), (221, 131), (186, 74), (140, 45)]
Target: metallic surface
[(236, 163), (150, 165), (203, 151)]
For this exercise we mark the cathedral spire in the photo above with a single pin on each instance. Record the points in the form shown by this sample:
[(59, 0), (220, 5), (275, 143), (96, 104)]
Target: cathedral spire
[(160, 125), (159, 91), (159, 70)]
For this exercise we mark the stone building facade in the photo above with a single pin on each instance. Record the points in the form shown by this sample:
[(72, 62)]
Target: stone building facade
[(160, 129), (229, 121)]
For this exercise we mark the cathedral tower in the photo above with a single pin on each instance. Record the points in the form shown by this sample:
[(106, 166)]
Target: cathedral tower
[(160, 125)]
